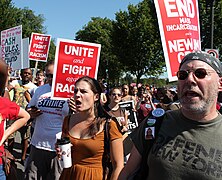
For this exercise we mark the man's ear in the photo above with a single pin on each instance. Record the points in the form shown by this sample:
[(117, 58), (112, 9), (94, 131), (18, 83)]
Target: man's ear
[(220, 84)]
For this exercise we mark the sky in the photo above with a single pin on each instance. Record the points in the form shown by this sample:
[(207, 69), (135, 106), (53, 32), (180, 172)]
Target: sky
[(63, 18)]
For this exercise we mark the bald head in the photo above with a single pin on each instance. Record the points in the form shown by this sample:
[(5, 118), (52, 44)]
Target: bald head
[(3, 75)]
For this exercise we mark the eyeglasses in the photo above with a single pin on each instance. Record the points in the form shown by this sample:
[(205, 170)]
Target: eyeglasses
[(115, 94), (200, 73), (49, 75)]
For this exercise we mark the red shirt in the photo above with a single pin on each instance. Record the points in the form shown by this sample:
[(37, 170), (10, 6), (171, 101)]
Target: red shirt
[(8, 110)]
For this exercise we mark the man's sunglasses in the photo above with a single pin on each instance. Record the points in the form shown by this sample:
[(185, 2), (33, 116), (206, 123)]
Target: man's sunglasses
[(114, 94), (200, 73)]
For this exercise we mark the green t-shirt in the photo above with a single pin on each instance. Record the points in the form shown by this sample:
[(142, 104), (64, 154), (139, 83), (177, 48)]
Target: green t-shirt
[(184, 149)]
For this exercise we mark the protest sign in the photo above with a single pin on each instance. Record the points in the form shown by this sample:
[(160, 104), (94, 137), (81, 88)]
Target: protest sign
[(179, 29), (39, 47), (132, 118), (11, 47), (73, 60), (25, 47)]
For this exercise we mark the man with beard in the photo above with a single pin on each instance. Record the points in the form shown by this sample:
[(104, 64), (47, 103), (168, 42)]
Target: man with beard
[(188, 144), (19, 87)]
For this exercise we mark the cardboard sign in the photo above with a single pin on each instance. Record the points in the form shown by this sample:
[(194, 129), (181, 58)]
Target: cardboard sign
[(132, 118), (39, 47), (11, 47), (73, 60), (179, 29)]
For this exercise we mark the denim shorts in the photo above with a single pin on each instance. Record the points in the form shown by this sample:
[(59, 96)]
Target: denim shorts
[(2, 173)]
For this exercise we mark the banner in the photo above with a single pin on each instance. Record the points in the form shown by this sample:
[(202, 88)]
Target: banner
[(39, 47), (179, 29), (73, 60), (132, 118), (11, 47)]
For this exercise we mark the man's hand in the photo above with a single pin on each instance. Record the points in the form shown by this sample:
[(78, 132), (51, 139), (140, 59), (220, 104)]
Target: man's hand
[(34, 112)]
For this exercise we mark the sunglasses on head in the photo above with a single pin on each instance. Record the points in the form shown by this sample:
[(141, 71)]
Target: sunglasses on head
[(200, 73), (115, 94)]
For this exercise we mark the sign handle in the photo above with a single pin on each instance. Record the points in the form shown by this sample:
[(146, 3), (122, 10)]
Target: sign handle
[(35, 70)]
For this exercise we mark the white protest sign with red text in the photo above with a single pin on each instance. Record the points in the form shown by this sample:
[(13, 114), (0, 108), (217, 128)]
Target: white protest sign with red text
[(73, 60), (39, 47), (179, 29)]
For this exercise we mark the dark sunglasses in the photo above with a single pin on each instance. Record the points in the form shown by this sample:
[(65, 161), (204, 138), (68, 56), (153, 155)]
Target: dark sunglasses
[(200, 73), (49, 75), (114, 94)]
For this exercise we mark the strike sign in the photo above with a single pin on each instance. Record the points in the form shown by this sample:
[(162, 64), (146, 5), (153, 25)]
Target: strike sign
[(73, 60)]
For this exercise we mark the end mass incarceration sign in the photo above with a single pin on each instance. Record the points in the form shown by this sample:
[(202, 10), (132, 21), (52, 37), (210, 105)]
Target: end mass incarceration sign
[(179, 29), (73, 60)]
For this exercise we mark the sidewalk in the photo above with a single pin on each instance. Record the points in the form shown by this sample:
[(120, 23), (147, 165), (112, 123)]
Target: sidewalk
[(17, 153)]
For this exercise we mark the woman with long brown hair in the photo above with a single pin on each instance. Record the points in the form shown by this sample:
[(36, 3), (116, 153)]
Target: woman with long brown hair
[(85, 128)]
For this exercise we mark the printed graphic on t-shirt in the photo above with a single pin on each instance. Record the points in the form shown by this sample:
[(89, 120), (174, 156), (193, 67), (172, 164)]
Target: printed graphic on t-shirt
[(189, 154), (19, 97), (51, 106)]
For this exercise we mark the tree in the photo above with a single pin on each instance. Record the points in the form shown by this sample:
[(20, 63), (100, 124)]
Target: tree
[(205, 24), (7, 14), (99, 30), (11, 16), (137, 41)]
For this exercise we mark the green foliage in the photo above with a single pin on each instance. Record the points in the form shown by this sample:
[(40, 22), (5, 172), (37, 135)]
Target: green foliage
[(99, 30), (137, 41), (11, 16), (205, 25), (154, 82), (7, 14)]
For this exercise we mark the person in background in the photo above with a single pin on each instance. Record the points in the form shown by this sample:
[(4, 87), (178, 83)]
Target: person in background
[(167, 100), (188, 145), (8, 110), (40, 80), (121, 114), (114, 110), (103, 98), (19, 87), (85, 128), (49, 114), (144, 106), (135, 93), (126, 96)]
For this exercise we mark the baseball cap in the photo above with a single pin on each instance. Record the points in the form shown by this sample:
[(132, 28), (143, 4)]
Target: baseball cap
[(205, 57)]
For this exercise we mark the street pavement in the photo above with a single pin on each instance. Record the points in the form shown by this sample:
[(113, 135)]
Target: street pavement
[(17, 153)]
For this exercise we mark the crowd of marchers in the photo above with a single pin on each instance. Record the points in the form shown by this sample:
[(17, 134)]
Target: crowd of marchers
[(177, 135)]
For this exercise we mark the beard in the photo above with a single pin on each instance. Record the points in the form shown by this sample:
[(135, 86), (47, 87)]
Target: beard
[(201, 105)]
